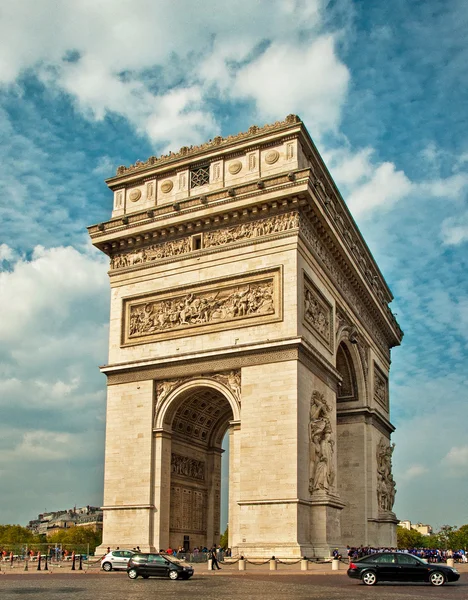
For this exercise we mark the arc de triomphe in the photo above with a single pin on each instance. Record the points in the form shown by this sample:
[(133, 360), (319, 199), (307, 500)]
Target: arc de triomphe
[(245, 300)]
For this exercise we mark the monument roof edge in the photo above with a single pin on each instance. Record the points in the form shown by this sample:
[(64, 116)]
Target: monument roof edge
[(344, 206), (218, 142)]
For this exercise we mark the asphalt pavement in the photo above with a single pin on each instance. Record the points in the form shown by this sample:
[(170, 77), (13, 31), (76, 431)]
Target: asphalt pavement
[(234, 585)]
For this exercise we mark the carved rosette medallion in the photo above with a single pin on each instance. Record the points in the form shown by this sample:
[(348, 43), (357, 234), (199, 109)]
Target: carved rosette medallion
[(380, 387), (190, 310), (135, 195), (271, 157), (184, 466), (235, 167), (386, 488), (166, 186), (318, 313)]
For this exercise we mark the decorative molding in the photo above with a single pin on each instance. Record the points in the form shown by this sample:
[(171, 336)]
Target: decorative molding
[(184, 466), (231, 379), (150, 187), (318, 313), (189, 310), (215, 143)]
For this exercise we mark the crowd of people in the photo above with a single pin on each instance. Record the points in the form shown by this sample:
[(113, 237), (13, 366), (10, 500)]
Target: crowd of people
[(432, 555)]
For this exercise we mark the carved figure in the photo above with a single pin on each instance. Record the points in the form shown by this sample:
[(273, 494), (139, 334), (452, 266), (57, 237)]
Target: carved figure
[(321, 445), (316, 314), (196, 308), (386, 488), (187, 467)]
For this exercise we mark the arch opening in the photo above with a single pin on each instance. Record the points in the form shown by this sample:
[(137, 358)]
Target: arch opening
[(199, 419), (348, 390)]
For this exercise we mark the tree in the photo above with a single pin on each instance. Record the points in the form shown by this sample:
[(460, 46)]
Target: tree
[(410, 538), (224, 540), (76, 537), (15, 535)]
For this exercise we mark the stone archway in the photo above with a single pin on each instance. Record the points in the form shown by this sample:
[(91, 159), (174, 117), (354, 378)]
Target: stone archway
[(351, 442), (195, 416)]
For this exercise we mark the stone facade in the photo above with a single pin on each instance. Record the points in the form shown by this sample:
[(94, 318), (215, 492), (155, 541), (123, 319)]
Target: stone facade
[(244, 300)]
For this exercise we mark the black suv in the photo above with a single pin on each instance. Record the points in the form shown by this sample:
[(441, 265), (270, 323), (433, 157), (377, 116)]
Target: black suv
[(157, 565)]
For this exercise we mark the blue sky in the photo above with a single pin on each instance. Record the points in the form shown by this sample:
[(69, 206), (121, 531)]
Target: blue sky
[(86, 86)]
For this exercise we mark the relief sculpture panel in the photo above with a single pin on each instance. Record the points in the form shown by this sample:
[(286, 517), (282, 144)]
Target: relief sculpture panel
[(380, 387), (189, 310), (184, 466), (318, 313)]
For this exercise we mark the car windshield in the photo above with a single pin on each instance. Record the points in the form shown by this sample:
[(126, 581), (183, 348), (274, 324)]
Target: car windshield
[(177, 561)]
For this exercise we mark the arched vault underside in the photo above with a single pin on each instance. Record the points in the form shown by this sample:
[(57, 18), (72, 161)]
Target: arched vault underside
[(196, 416)]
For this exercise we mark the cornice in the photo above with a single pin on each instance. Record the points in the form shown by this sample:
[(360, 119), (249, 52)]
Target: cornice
[(196, 209), (365, 414), (217, 143)]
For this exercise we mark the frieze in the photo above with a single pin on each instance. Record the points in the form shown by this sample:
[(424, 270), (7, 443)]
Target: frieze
[(151, 253), (185, 466), (252, 229), (211, 239), (380, 387), (318, 313), (219, 305), (313, 238)]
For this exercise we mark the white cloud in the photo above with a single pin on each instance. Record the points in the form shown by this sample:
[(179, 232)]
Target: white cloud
[(157, 63), (457, 459), (385, 188), (307, 79), (455, 230), (40, 293), (413, 471), (6, 253)]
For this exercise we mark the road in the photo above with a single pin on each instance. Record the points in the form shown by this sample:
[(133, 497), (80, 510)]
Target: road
[(214, 586)]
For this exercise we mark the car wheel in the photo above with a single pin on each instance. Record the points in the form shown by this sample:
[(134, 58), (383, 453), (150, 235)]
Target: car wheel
[(369, 578), (107, 567), (437, 578), (132, 573), (173, 575)]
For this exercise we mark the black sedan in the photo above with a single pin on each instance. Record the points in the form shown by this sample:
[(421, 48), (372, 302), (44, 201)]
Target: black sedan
[(157, 565), (399, 566)]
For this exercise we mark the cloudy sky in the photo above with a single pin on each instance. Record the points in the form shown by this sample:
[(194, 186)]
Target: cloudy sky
[(86, 86)]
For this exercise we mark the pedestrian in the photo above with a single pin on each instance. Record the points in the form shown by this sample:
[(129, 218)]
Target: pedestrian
[(214, 560)]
